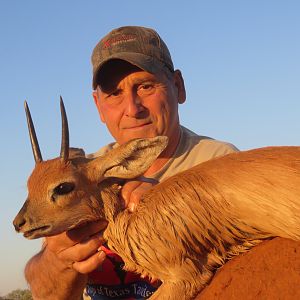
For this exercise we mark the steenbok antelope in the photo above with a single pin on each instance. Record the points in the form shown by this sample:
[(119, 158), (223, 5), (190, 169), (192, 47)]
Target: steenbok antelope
[(184, 227)]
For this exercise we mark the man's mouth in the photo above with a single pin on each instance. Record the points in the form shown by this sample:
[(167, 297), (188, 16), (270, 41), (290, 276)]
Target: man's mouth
[(137, 126)]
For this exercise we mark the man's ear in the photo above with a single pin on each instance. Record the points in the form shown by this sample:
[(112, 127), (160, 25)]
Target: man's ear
[(129, 160), (179, 83), (96, 97)]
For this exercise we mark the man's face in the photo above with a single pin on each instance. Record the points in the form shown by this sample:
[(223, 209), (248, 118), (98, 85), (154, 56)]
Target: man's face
[(137, 104)]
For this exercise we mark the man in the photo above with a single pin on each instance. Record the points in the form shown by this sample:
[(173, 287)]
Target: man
[(137, 93)]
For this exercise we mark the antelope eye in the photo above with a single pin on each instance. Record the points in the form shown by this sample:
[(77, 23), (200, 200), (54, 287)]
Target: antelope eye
[(64, 188)]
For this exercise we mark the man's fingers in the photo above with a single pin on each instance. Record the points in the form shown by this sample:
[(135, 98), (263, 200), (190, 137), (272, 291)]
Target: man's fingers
[(137, 194), (89, 264), (58, 242), (68, 239), (133, 191), (127, 190), (82, 250)]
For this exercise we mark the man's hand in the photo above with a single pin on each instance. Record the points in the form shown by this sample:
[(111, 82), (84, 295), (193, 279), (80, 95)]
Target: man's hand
[(78, 248), (132, 191)]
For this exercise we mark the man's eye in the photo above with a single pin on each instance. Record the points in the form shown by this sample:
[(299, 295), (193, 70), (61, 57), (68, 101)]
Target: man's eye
[(146, 89), (64, 188), (146, 86), (115, 93)]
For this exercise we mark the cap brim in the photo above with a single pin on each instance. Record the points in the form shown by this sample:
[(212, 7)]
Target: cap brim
[(142, 61)]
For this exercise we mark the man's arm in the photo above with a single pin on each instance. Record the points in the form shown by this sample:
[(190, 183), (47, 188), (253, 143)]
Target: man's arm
[(59, 270)]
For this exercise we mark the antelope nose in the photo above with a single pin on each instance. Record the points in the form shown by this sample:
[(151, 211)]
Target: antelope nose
[(19, 222)]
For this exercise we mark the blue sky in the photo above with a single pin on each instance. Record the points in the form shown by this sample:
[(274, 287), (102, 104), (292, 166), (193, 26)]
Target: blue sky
[(240, 61)]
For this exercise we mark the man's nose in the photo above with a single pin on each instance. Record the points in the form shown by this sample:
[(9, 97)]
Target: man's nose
[(133, 104)]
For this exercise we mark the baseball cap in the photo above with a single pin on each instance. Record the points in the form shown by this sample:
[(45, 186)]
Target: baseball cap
[(140, 46)]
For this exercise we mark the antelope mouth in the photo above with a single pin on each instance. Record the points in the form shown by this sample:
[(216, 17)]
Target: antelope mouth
[(37, 232)]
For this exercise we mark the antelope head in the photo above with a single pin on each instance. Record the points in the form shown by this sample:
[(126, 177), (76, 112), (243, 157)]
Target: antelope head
[(63, 193)]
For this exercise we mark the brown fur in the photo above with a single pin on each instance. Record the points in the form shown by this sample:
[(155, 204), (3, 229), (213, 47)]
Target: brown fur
[(183, 228)]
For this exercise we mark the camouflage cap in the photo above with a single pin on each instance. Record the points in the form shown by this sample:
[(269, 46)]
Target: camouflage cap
[(140, 46)]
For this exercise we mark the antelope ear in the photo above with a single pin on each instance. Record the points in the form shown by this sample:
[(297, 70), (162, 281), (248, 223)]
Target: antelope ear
[(130, 159)]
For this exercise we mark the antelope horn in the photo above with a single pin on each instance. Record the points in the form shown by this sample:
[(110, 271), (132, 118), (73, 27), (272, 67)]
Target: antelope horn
[(64, 150), (34, 142)]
